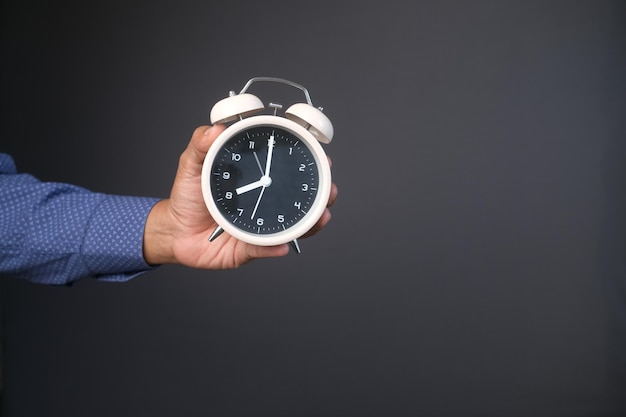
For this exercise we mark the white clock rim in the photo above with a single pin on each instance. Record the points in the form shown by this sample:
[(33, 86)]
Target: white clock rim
[(317, 207)]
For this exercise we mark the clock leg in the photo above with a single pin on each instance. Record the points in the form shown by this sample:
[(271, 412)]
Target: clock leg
[(294, 244), (218, 231)]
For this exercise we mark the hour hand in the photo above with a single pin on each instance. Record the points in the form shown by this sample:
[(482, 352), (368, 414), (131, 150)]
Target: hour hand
[(263, 182)]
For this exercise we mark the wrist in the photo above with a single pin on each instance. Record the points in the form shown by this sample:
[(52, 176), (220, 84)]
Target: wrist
[(158, 236)]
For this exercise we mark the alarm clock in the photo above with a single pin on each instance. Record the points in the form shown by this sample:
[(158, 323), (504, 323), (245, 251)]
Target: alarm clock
[(266, 179)]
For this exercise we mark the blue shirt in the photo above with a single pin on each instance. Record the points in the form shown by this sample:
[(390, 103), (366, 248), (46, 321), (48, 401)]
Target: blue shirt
[(54, 233)]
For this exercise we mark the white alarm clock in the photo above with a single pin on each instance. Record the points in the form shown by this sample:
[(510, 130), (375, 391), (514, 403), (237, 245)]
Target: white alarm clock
[(266, 179)]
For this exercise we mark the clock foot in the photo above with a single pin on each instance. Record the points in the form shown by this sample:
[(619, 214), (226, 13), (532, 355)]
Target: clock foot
[(218, 231), (294, 244)]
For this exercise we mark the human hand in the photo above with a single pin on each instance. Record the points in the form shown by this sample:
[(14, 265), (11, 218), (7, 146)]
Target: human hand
[(177, 228)]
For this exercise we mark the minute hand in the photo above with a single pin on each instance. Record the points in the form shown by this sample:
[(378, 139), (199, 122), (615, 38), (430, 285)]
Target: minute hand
[(270, 151)]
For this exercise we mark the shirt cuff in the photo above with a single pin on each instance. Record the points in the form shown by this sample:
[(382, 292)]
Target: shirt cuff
[(113, 246)]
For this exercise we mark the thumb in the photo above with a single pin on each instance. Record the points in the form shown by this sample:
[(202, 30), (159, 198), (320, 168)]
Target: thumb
[(203, 137)]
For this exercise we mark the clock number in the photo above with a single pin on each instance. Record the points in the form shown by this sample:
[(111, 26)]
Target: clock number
[(240, 211), (290, 151), (302, 166), (226, 175), (259, 221), (281, 218), (305, 187), (251, 144), (236, 157), (228, 195), (296, 204)]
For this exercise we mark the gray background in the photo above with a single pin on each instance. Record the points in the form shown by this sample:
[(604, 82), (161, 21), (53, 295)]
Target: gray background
[(474, 263)]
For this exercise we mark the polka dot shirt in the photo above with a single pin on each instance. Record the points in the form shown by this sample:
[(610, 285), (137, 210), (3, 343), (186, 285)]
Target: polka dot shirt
[(53, 233)]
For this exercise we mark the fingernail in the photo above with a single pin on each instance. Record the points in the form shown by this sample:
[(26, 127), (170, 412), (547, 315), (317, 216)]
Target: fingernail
[(206, 132)]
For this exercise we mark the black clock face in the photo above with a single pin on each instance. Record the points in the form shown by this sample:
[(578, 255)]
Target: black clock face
[(264, 180)]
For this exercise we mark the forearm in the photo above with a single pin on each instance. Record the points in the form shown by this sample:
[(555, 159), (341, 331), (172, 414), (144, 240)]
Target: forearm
[(57, 233)]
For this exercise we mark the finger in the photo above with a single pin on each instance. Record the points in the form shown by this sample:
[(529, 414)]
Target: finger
[(203, 137), (321, 223), (193, 157), (256, 252), (334, 191)]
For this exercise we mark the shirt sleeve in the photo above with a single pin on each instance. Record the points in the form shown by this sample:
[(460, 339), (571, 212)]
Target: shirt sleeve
[(54, 233)]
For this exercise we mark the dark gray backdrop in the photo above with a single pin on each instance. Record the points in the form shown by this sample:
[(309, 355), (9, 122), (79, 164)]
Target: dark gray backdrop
[(474, 263)]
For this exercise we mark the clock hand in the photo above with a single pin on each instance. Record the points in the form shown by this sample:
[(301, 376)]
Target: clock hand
[(258, 162), (270, 151), (256, 206), (249, 187), (263, 182)]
